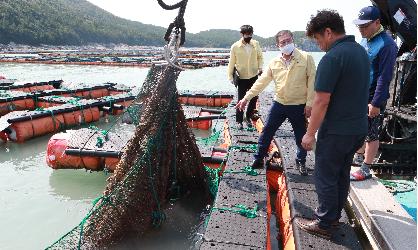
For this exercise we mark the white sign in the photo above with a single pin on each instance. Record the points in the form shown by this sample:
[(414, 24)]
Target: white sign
[(399, 16)]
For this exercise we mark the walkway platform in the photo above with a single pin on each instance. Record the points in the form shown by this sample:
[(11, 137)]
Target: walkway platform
[(229, 230)]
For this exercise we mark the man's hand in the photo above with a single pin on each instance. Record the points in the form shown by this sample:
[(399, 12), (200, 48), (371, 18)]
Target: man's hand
[(241, 105), (260, 71), (307, 111), (373, 111), (308, 142)]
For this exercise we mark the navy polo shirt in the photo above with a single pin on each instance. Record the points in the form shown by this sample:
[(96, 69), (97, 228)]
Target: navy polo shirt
[(344, 72)]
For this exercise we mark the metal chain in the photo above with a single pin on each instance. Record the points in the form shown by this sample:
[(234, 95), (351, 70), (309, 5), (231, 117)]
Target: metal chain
[(175, 35)]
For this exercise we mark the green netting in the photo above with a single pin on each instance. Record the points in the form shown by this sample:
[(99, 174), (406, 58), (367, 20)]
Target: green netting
[(159, 162)]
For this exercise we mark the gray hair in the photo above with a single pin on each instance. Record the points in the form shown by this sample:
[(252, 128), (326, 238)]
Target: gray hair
[(283, 32)]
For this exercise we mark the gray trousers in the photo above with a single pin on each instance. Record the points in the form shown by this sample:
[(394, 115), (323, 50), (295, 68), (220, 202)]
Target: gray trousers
[(333, 158)]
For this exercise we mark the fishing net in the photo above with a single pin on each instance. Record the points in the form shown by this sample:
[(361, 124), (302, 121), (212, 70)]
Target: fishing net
[(159, 163)]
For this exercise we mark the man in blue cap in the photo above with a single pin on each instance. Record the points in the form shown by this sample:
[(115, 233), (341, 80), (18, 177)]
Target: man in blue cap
[(382, 51)]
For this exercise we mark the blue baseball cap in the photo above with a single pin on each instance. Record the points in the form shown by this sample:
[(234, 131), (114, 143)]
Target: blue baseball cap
[(367, 15)]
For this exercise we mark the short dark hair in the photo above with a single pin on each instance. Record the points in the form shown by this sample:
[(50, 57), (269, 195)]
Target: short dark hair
[(282, 32), (246, 29), (325, 19)]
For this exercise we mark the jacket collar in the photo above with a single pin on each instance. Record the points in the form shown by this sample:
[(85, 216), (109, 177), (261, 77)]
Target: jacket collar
[(381, 29), (241, 42), (346, 38)]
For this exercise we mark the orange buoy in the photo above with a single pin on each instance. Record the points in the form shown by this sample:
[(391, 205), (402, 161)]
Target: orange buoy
[(22, 131), (201, 124), (56, 157), (111, 163), (55, 153), (30, 104), (225, 101)]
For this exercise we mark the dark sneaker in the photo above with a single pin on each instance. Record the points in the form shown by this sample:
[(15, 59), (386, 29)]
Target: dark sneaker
[(249, 123), (257, 164), (312, 227), (360, 175), (275, 162), (255, 117), (240, 126), (302, 168)]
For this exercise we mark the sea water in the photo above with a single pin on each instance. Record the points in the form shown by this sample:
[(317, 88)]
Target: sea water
[(38, 205)]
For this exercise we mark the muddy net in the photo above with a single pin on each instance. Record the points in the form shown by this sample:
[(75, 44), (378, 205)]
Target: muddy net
[(160, 162)]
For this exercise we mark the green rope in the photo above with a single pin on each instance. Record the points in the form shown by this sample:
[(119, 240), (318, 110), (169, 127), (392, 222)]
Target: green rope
[(213, 175), (61, 126), (12, 106), (249, 147), (109, 99), (77, 103), (35, 99), (104, 133), (210, 140), (245, 170), (214, 136), (101, 131), (240, 209), (398, 186), (252, 129)]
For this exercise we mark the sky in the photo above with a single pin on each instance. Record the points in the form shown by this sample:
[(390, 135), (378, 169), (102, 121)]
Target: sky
[(266, 16)]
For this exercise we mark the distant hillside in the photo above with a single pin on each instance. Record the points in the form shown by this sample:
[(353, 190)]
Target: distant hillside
[(78, 22), (223, 38), (69, 22), (220, 38)]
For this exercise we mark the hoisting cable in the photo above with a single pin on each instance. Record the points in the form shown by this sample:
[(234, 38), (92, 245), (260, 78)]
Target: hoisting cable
[(175, 36)]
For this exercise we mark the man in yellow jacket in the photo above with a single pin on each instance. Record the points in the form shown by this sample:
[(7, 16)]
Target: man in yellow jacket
[(293, 72), (247, 58)]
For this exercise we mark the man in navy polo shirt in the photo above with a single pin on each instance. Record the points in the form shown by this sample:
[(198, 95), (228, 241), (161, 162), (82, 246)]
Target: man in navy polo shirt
[(382, 51), (339, 112)]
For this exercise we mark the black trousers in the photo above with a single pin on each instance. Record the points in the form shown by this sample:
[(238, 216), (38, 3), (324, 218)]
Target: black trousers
[(333, 157), (243, 86)]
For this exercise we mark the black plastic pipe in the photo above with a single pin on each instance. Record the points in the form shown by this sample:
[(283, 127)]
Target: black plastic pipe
[(94, 153)]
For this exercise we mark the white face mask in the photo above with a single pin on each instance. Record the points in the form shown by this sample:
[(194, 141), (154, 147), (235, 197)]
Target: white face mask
[(287, 49)]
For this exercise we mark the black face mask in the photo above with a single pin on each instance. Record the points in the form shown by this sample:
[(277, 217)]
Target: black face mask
[(247, 39)]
